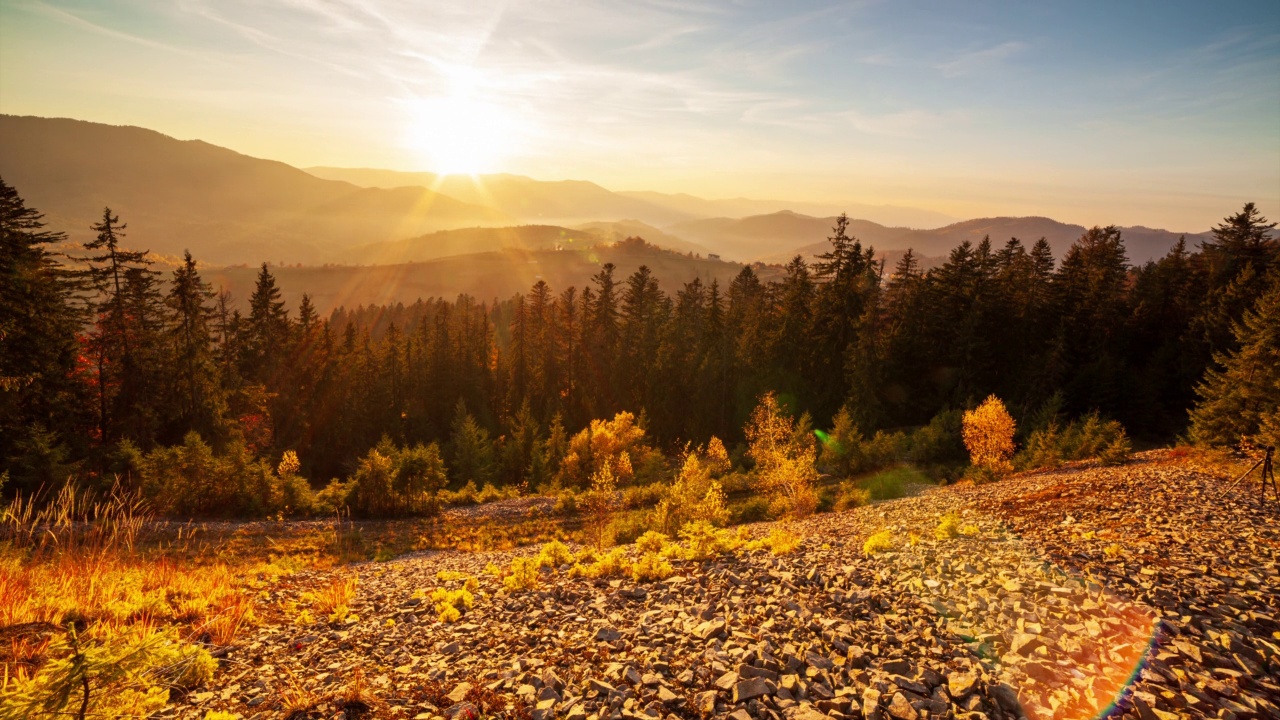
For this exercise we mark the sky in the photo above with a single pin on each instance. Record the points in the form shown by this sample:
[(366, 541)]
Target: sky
[(1165, 114)]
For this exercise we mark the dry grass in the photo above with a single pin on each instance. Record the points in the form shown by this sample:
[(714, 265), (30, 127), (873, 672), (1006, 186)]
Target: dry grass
[(76, 560), (334, 599)]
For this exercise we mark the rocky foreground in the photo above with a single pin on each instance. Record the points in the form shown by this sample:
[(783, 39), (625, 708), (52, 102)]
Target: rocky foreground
[(1125, 591)]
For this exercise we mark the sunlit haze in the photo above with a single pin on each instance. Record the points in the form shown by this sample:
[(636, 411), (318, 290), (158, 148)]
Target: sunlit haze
[(1164, 114)]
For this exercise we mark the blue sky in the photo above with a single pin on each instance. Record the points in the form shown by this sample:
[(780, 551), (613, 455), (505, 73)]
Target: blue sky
[(1164, 114)]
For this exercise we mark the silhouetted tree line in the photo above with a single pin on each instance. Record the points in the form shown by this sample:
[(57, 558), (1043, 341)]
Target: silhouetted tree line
[(105, 351)]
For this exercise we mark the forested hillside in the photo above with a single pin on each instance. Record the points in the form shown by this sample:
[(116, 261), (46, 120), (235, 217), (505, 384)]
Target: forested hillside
[(115, 357)]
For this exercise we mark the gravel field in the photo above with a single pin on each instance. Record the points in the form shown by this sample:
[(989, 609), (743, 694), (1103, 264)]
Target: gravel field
[(1087, 591)]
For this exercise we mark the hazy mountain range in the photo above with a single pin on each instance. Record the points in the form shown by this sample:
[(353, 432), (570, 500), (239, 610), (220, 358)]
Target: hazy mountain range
[(231, 209)]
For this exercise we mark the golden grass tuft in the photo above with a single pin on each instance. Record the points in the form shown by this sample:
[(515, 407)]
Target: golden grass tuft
[(334, 599), (879, 542)]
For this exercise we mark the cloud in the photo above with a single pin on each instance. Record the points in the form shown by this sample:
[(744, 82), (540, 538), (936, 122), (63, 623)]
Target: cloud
[(971, 62)]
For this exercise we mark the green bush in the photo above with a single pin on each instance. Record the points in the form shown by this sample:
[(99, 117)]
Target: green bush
[(1087, 437), (393, 481), (846, 452), (190, 480), (939, 442), (751, 510), (468, 494), (641, 496), (628, 528), (334, 498), (849, 496), (892, 483)]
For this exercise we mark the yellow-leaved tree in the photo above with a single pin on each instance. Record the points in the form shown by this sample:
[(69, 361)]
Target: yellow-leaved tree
[(784, 459), (618, 444), (694, 496), (988, 436)]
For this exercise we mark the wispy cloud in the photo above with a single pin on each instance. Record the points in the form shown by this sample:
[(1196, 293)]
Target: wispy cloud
[(977, 60)]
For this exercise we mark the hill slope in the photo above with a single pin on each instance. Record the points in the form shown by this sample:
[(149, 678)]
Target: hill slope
[(1064, 599), (223, 206)]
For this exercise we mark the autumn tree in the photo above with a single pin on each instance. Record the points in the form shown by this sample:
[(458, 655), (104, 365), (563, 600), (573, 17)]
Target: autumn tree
[(988, 436), (784, 461)]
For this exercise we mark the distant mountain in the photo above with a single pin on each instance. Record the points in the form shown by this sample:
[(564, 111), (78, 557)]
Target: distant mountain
[(522, 237), (891, 215), (622, 229), (571, 201), (225, 207), (773, 236), (562, 202), (777, 237), (485, 276)]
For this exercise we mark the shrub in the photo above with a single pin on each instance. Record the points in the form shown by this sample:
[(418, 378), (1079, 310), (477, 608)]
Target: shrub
[(1086, 437), (692, 497), (190, 480), (784, 460), (523, 575), (751, 510), (489, 493), (639, 496), (618, 444), (939, 442), (296, 495), (845, 451), (651, 542), (598, 503), (334, 498), (554, 554), (879, 542), (452, 604), (289, 464), (625, 529), (717, 458), (651, 566), (466, 495), (110, 673), (988, 435), (566, 503), (702, 541), (781, 541), (392, 481), (849, 496), (948, 527), (612, 563)]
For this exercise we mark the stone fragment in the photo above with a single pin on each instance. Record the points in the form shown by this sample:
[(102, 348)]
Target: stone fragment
[(960, 684), (750, 688), (900, 707)]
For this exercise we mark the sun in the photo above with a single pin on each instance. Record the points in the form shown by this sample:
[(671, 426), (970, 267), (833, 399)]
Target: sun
[(459, 134)]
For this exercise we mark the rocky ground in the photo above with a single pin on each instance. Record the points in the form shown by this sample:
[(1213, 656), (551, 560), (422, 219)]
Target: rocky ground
[(1086, 591)]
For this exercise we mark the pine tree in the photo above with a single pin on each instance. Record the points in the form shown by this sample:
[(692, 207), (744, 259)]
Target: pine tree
[(38, 326), (125, 305), (1240, 394), (266, 330), (196, 392), (470, 450)]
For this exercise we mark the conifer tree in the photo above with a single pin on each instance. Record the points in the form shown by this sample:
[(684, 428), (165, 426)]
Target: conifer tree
[(195, 388), (1240, 394), (470, 449), (39, 396)]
